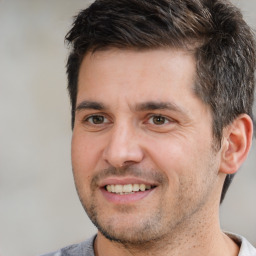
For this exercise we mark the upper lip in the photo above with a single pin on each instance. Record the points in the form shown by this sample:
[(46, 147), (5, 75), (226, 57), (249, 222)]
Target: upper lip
[(125, 180)]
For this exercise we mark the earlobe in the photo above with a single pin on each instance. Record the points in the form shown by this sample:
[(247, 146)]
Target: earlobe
[(237, 139)]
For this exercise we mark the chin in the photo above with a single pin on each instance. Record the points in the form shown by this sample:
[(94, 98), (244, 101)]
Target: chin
[(128, 236), (128, 229)]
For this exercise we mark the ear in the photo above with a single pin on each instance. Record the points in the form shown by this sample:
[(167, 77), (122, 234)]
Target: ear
[(236, 143)]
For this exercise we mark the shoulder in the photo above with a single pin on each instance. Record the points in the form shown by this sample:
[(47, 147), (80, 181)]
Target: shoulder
[(82, 249), (246, 248)]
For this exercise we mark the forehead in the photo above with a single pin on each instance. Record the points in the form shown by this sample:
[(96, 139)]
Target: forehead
[(146, 71)]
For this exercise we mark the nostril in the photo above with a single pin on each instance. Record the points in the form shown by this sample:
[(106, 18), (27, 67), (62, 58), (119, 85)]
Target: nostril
[(127, 163)]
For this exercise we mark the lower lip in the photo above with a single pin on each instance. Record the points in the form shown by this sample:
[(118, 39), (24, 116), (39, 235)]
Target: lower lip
[(129, 198)]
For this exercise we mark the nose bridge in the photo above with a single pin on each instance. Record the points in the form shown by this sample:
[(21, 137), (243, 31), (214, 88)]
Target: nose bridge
[(123, 145)]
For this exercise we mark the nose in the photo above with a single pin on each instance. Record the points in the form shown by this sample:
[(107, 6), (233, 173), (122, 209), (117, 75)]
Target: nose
[(123, 147)]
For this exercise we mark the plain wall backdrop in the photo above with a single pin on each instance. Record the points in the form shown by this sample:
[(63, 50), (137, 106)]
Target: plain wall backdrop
[(39, 208)]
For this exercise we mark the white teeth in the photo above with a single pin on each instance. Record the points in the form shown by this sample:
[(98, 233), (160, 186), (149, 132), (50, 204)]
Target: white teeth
[(127, 188), (118, 188), (136, 187), (142, 187)]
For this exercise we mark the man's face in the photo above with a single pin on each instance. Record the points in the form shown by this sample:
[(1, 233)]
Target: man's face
[(142, 147)]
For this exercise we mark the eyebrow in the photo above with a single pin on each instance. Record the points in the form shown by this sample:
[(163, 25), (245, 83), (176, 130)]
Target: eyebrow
[(90, 105), (155, 105), (145, 106)]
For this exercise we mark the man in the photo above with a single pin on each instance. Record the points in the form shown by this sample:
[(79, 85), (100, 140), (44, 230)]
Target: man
[(162, 95)]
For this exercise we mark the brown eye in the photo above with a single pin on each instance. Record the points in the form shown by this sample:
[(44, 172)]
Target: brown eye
[(96, 119), (158, 120)]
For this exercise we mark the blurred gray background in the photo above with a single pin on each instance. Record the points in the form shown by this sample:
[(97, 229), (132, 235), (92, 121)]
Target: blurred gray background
[(39, 208)]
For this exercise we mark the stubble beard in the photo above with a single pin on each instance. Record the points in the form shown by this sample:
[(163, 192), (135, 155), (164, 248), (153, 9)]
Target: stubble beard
[(156, 227), (147, 229), (145, 232), (152, 233)]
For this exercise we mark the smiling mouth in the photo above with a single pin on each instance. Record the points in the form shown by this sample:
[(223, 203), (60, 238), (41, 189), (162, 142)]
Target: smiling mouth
[(127, 188)]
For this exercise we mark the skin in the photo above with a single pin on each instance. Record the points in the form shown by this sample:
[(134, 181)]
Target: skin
[(138, 120)]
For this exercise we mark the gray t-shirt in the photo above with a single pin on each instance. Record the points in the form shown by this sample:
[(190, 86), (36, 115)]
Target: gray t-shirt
[(82, 249), (86, 248)]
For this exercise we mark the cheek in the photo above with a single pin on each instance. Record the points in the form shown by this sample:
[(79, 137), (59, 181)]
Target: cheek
[(167, 156), (85, 155), (181, 159), (169, 153)]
